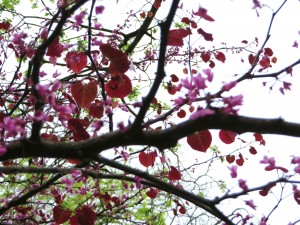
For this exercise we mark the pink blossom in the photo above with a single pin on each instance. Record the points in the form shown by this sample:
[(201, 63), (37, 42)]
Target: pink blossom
[(199, 81), (55, 74), (76, 173), (44, 33), (3, 150), (251, 204), (179, 101), (56, 85), (79, 18), (209, 74), (125, 155), (201, 113), (229, 86), (138, 180), (233, 171), (39, 116), (42, 73), (122, 127), (99, 9), (68, 181), (296, 194), (98, 124), (18, 38), (242, 184)]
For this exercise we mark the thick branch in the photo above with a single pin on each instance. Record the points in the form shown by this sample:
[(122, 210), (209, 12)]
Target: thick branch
[(161, 139)]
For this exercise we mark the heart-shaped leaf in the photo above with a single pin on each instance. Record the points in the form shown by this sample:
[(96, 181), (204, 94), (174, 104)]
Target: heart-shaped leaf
[(152, 193), (61, 215), (174, 174), (84, 94), (227, 136), (119, 86), (230, 158), (84, 216), (76, 61), (176, 37), (147, 158), (200, 141), (119, 62)]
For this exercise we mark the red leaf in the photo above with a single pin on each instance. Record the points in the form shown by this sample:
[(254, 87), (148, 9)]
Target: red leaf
[(259, 138), (265, 62), (61, 215), (182, 210), (268, 52), (96, 110), (200, 141), (119, 62), (76, 126), (189, 22), (147, 158), (240, 161), (119, 86), (174, 174), (55, 48), (76, 61), (203, 13), (181, 113), (211, 64), (172, 89), (230, 158), (252, 150), (84, 94), (152, 193), (84, 216), (251, 59), (174, 78), (176, 37), (207, 36), (227, 136), (205, 56), (220, 56)]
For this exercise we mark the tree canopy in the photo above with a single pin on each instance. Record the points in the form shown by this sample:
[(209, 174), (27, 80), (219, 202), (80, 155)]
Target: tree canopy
[(129, 112)]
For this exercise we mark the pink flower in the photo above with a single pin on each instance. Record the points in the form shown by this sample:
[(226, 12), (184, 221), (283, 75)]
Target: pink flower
[(138, 184), (44, 33), (79, 18), (99, 9), (18, 38), (229, 86), (76, 173), (209, 74), (296, 194), (68, 181), (251, 204), (242, 184), (233, 171), (3, 150), (201, 113)]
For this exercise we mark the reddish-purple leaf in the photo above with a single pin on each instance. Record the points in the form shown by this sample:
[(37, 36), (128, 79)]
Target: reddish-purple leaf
[(119, 86), (205, 56), (220, 56), (152, 193), (176, 37), (119, 62), (174, 174), (84, 216), (200, 141), (61, 215), (227, 136), (230, 158), (147, 158), (203, 13), (84, 94), (207, 36), (76, 61)]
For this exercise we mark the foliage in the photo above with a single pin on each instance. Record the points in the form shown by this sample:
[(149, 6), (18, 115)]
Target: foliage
[(136, 122)]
